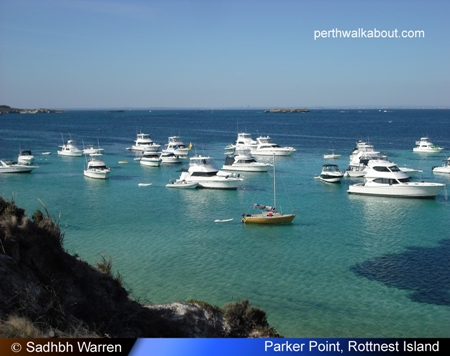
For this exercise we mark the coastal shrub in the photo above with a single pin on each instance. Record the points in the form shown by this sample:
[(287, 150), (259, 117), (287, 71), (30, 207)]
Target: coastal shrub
[(17, 326), (9, 208), (105, 267), (38, 216), (242, 317), (211, 309)]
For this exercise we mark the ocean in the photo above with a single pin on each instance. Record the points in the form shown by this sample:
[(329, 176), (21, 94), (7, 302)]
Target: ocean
[(348, 266)]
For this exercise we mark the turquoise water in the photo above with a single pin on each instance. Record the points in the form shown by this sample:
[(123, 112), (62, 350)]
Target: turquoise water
[(349, 266)]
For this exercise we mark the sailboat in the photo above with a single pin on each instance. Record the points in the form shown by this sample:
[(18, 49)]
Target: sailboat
[(268, 214)]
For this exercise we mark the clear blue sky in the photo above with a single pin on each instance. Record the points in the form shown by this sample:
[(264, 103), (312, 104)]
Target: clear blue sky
[(221, 54)]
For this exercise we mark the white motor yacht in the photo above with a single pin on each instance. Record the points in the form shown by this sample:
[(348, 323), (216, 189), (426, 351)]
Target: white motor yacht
[(177, 146), (361, 154), (426, 146), (90, 149), (202, 170), (170, 157), (384, 178), (266, 147), (244, 141), (243, 161), (331, 155), (150, 158), (355, 171), (70, 149), (143, 142), (363, 149), (14, 167), (25, 157), (96, 167), (331, 173), (445, 168)]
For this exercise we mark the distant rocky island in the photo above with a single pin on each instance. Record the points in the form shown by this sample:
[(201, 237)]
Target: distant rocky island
[(5, 109), (285, 110)]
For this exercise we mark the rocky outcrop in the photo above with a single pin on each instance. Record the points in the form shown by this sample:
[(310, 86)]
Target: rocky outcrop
[(5, 109), (61, 295), (286, 110)]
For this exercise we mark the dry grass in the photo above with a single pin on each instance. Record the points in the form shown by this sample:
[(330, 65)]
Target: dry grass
[(17, 326)]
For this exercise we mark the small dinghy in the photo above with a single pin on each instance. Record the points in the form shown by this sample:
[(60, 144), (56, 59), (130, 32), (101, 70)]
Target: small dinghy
[(182, 184), (144, 184)]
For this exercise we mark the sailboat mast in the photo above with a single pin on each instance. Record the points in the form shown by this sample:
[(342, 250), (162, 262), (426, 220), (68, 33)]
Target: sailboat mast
[(274, 184)]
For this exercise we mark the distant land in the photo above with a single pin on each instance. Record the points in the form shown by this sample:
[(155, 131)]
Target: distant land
[(5, 109), (284, 110)]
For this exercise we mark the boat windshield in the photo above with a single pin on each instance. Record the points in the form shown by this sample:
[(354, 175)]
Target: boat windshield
[(331, 168), (203, 174), (394, 169), (381, 169)]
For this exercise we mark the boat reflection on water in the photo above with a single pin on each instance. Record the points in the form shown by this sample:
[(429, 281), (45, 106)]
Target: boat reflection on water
[(378, 228)]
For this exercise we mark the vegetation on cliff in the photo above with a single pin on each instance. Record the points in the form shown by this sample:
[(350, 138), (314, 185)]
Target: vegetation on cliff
[(46, 292)]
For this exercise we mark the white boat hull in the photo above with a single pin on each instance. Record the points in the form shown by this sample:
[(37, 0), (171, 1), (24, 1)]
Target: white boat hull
[(409, 171), (271, 152), (405, 190), (216, 182), (184, 152), (96, 173), (182, 185), (70, 153), (147, 148), (246, 167), (329, 179), (331, 156), (445, 170), (17, 169), (150, 163), (171, 160), (354, 174), (427, 150), (90, 151)]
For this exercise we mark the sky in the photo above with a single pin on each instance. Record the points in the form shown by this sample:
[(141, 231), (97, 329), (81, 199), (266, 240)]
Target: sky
[(88, 54)]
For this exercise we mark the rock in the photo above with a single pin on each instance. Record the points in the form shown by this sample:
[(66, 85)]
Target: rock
[(286, 110)]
